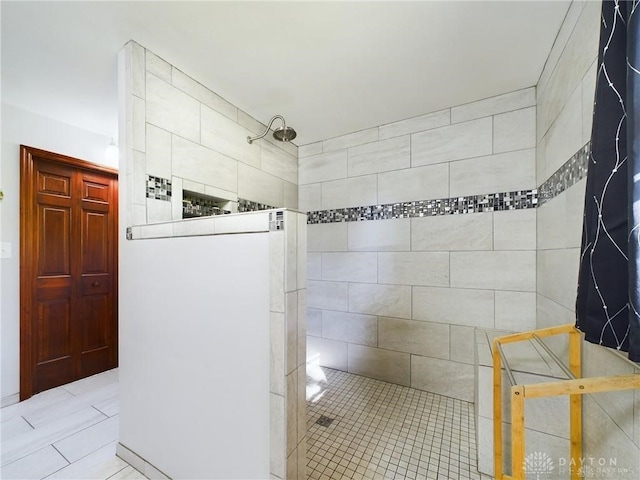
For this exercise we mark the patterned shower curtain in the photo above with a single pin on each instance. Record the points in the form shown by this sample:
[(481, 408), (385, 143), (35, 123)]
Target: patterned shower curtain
[(608, 301)]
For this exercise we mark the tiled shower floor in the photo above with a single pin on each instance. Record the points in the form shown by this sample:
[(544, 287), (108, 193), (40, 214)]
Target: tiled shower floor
[(385, 431)]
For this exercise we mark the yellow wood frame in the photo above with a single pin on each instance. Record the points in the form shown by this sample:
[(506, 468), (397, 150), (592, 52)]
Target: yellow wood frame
[(575, 388)]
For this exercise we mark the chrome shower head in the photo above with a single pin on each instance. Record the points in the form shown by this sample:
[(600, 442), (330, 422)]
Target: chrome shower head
[(283, 133)]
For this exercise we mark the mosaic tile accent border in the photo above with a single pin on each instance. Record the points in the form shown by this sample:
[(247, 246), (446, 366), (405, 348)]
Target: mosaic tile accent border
[(517, 200), (245, 205), (158, 188), (574, 170)]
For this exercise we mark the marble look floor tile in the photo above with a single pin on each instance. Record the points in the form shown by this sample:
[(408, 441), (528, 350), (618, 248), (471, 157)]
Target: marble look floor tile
[(128, 473), (14, 427), (89, 440), (37, 465), (29, 442), (91, 383), (110, 406), (86, 398), (100, 464), (41, 400)]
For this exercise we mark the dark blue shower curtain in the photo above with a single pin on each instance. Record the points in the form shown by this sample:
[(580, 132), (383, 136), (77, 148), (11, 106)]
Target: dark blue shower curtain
[(608, 301)]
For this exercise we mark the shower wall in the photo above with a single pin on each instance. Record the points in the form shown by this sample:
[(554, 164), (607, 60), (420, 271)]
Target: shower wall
[(565, 96), (189, 138), (397, 294)]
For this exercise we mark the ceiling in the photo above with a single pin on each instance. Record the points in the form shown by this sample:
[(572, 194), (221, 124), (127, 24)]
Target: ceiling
[(329, 68)]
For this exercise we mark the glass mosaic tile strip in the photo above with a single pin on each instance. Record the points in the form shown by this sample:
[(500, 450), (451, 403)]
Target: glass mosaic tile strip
[(574, 170), (491, 202), (158, 188), (245, 205)]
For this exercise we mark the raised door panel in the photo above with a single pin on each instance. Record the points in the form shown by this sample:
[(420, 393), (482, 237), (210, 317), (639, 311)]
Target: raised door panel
[(54, 241)]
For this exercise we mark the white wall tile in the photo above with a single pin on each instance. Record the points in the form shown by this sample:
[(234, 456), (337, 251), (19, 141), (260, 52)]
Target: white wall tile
[(328, 295), (462, 345), (327, 353), (138, 72), (474, 308), (277, 352), (411, 336), (558, 275), (138, 124), (323, 167), (310, 197), (350, 267), (502, 172), (275, 161), (494, 105), (203, 94), (158, 66), (277, 436), (588, 100), (350, 140), (350, 192), (158, 211), (387, 300), (227, 137), (410, 184), (514, 229), (443, 377), (415, 124), (350, 327), (576, 58), (276, 271), (194, 162), (514, 130), (314, 266), (314, 322), (158, 152), (384, 365), (309, 149), (501, 270), (564, 137), (196, 226), (414, 268), (290, 195), (515, 311), (291, 324), (452, 232), (302, 327), (383, 156), (171, 109), (259, 186), (380, 235), (327, 237), (559, 221), (466, 140)]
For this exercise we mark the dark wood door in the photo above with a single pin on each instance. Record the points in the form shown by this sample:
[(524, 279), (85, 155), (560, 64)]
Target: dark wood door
[(68, 264)]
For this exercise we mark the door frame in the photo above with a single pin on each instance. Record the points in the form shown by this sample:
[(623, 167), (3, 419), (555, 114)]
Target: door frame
[(27, 246)]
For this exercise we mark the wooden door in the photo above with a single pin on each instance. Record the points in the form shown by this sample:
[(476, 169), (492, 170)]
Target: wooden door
[(68, 270)]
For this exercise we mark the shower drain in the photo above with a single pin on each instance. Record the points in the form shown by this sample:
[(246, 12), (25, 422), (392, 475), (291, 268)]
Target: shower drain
[(324, 421)]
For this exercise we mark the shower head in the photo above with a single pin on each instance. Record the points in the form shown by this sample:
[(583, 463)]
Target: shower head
[(283, 133)]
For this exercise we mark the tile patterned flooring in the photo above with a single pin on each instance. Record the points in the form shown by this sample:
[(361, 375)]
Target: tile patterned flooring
[(386, 431), (378, 431)]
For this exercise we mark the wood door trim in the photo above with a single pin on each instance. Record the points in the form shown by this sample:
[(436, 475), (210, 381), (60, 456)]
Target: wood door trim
[(27, 247)]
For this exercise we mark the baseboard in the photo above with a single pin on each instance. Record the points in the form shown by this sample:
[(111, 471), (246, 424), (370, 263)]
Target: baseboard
[(9, 400), (139, 463)]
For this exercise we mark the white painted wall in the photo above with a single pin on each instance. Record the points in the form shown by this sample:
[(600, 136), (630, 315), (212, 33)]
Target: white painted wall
[(194, 334), (26, 128)]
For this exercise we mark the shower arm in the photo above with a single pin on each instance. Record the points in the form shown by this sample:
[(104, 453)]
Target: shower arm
[(284, 125)]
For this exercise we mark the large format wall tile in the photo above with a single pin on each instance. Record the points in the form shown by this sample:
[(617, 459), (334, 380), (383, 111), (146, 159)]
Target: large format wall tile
[(414, 268), (515, 229), (323, 167), (350, 140), (197, 163), (515, 311), (173, 110), (384, 365), (349, 192), (158, 152), (509, 270), (411, 336), (466, 140), (443, 377), (383, 156), (491, 106), (328, 295), (452, 232), (410, 184), (380, 236), (327, 237), (558, 275), (474, 308), (560, 220), (329, 353), (350, 267), (387, 300), (502, 172), (259, 186), (350, 327), (514, 130), (415, 124)]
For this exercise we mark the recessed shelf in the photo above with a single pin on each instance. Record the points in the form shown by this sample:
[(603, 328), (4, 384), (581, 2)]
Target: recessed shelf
[(196, 204)]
